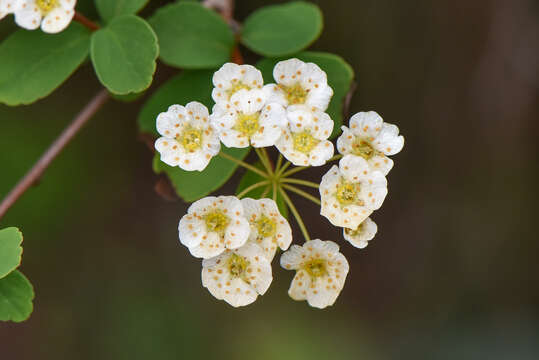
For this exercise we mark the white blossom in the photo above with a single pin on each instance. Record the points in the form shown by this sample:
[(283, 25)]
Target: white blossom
[(269, 229), (248, 119), (351, 192), (320, 272), (189, 141), (52, 15), (231, 78), (361, 236), (372, 139), (304, 141), (299, 83), (237, 276), (9, 6), (213, 224)]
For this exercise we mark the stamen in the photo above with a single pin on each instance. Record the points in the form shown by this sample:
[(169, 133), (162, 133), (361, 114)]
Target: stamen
[(266, 227), (216, 221), (295, 94), (304, 142)]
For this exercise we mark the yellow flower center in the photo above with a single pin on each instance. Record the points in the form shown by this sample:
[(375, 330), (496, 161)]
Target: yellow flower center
[(316, 268), (216, 221), (363, 148), (190, 139), (247, 124), (237, 266), (354, 233), (236, 86), (347, 193), (304, 142), (295, 94), (266, 227), (46, 5)]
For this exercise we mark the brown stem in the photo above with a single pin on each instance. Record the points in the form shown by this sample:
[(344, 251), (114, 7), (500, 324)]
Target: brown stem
[(56, 147), (85, 21), (224, 7), (237, 57)]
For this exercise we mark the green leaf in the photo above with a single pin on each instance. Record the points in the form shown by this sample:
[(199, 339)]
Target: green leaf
[(33, 63), (10, 250), (109, 9), (192, 36), (193, 85), (340, 77), (279, 30), (193, 185), (251, 178), (16, 295), (124, 54)]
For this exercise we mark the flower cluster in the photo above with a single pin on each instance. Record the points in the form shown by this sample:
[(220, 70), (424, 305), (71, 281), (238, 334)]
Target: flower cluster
[(51, 15), (238, 238)]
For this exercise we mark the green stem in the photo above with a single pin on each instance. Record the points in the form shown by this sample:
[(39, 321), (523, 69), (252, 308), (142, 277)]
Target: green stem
[(336, 157), (244, 164), (296, 214), (301, 168), (302, 193), (282, 169), (295, 170), (279, 163), (264, 161), (251, 188), (266, 191), (301, 182)]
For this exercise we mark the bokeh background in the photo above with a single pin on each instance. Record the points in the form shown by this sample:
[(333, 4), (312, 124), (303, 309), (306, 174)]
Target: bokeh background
[(451, 274)]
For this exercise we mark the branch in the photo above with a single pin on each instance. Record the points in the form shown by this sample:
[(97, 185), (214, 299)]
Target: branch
[(52, 152), (85, 21), (224, 7)]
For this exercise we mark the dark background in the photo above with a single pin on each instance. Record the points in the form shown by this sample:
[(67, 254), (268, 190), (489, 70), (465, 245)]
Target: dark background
[(451, 274)]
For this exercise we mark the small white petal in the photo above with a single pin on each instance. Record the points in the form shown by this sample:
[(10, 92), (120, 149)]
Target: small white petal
[(286, 72), (248, 101), (366, 124), (57, 20), (274, 94), (28, 17)]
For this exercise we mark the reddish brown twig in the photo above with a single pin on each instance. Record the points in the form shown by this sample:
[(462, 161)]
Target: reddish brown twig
[(85, 21), (56, 147)]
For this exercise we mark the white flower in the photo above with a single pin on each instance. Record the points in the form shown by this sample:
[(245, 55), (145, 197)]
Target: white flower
[(362, 235), (231, 78), (320, 272), (189, 141), (304, 140), (9, 6), (269, 228), (372, 139), (299, 83), (247, 119), (213, 224), (53, 15), (237, 276), (350, 192)]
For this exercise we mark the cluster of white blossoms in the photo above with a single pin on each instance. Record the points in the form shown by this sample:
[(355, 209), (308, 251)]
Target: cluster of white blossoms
[(52, 16), (358, 186), (238, 238), (289, 114)]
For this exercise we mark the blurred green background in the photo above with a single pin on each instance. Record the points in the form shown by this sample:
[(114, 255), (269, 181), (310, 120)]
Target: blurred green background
[(451, 274)]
